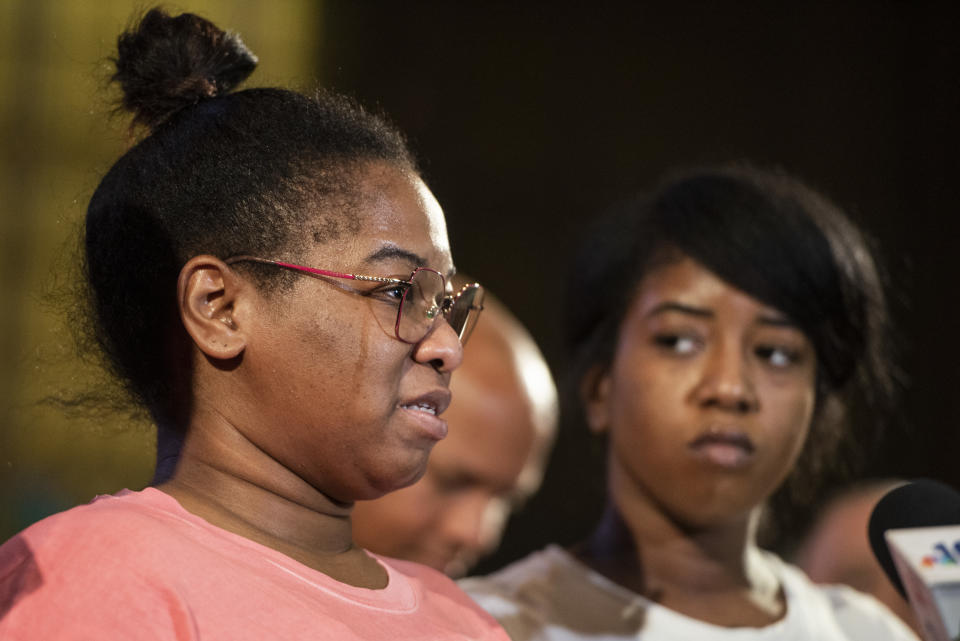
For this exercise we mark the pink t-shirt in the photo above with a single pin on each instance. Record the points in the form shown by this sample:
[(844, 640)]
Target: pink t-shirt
[(137, 565)]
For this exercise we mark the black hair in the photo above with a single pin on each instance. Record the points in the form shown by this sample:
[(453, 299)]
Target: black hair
[(775, 239), (260, 172)]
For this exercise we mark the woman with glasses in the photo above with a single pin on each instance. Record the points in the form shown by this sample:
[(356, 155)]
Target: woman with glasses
[(269, 276), (718, 328)]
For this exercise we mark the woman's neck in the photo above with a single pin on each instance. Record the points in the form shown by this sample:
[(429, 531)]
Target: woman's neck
[(715, 574), (225, 479)]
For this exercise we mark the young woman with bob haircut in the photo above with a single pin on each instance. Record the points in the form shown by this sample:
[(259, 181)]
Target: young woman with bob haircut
[(718, 327)]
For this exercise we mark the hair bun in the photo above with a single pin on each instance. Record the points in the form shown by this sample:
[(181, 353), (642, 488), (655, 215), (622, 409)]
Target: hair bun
[(166, 63)]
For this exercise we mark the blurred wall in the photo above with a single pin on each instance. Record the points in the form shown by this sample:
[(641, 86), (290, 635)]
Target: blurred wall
[(59, 137)]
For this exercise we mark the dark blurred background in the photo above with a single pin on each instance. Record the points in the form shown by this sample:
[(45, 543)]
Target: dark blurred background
[(531, 118)]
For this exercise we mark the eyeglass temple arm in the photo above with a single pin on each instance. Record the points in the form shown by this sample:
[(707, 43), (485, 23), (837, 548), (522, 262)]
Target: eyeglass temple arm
[(313, 270)]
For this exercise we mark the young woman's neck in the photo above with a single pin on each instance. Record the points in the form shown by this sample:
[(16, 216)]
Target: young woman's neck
[(225, 479), (659, 551), (716, 574)]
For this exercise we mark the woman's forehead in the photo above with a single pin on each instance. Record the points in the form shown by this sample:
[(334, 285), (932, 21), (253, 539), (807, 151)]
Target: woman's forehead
[(686, 283), (400, 225), (390, 255)]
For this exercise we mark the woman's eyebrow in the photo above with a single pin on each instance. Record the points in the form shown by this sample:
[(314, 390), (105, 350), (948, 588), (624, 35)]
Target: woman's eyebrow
[(703, 312), (673, 306), (392, 252)]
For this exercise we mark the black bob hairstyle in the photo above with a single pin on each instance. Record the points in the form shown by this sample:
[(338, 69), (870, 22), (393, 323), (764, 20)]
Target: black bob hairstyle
[(265, 172), (775, 239)]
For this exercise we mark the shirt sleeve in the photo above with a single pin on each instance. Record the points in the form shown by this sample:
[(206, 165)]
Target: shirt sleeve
[(74, 591)]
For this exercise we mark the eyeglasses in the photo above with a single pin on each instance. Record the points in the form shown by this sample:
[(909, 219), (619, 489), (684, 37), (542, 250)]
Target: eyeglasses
[(419, 301)]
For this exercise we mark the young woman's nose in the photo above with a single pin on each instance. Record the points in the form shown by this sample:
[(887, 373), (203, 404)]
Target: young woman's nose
[(726, 381), (440, 347)]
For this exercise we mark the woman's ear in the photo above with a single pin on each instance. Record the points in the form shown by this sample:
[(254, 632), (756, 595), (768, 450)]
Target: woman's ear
[(207, 296), (595, 396)]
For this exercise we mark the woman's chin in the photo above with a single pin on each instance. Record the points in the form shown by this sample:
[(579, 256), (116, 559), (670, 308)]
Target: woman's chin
[(398, 477)]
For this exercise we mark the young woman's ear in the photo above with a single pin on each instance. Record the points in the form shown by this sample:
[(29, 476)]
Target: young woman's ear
[(595, 396), (207, 295)]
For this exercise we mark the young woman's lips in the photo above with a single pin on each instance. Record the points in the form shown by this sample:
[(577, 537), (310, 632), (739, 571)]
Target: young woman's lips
[(725, 448), (425, 411)]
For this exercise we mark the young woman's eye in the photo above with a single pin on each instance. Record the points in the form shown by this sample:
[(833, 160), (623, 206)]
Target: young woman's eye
[(678, 343), (778, 356)]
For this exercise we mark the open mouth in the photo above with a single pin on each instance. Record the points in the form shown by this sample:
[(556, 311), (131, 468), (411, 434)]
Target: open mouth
[(421, 407), (432, 402), (425, 410)]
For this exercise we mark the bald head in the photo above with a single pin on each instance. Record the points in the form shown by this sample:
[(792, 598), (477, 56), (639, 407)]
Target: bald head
[(502, 422)]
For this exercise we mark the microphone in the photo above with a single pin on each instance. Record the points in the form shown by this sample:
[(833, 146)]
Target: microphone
[(921, 503), (914, 532)]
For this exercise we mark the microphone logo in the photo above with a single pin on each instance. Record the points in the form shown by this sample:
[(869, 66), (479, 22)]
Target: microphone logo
[(942, 556)]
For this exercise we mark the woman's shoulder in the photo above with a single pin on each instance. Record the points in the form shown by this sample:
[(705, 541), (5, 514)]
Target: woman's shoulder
[(435, 606), (859, 615), (88, 564), (428, 583), (434, 587), (113, 538), (549, 594), (108, 521), (548, 569)]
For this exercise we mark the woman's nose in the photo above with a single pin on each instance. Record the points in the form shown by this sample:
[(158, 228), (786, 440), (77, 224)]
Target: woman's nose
[(441, 347), (726, 382)]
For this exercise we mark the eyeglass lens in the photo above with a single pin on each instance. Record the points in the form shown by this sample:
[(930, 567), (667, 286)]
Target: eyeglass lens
[(465, 311), (423, 301), (421, 304)]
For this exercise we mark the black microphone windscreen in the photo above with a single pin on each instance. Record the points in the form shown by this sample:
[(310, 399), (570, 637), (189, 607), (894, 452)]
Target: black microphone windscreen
[(920, 503)]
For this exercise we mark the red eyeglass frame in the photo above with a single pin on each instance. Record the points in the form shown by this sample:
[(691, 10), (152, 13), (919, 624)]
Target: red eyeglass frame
[(446, 304)]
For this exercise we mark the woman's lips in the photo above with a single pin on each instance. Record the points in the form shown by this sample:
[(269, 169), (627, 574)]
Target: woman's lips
[(425, 410), (433, 426), (726, 448)]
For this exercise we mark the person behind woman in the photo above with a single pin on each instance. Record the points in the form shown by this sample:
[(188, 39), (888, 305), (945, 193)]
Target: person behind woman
[(269, 275), (836, 549), (502, 425), (717, 327)]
